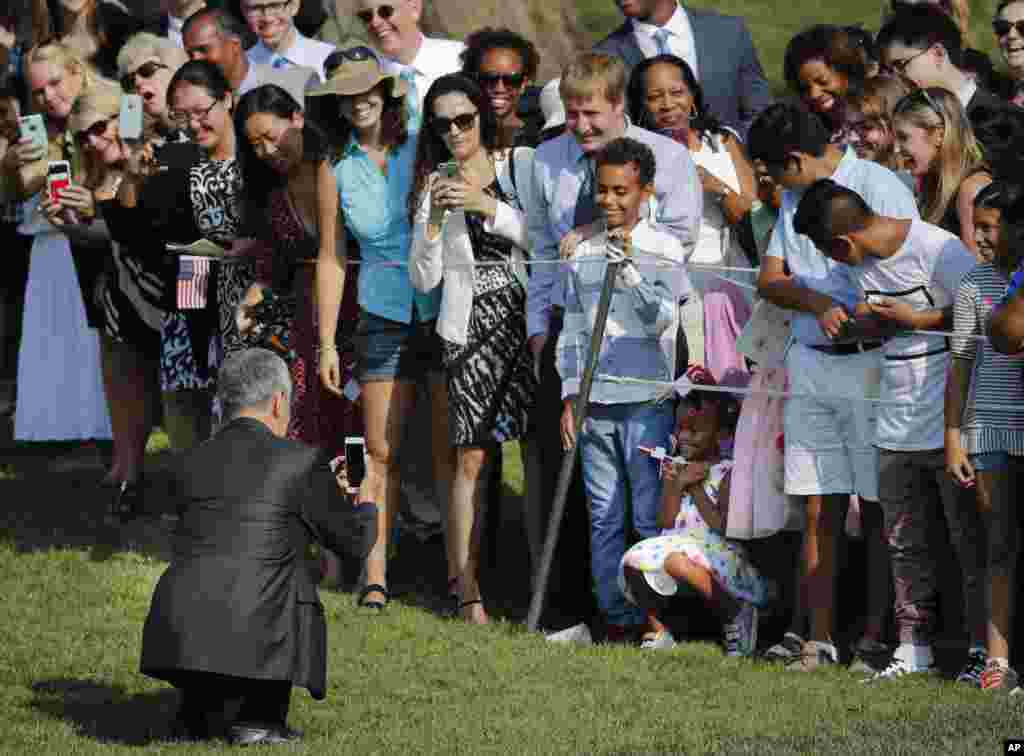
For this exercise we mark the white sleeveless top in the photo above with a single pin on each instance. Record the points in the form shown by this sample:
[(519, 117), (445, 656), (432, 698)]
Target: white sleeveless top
[(716, 243)]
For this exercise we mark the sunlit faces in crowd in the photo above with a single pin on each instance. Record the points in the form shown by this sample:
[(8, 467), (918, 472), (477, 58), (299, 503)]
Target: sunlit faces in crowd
[(821, 85), (270, 20), (1008, 27), (620, 194), (668, 98), (593, 120), (456, 121), (277, 141), (53, 86), (502, 78), (917, 147), (206, 119), (363, 110), (392, 26)]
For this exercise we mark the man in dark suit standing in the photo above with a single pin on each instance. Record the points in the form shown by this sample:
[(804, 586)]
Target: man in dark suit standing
[(235, 620), (718, 48)]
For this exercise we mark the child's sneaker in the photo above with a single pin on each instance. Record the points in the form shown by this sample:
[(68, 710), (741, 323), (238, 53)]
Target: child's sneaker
[(576, 634), (741, 633), (786, 650), (869, 657), (813, 656), (663, 639), (977, 659), (999, 678)]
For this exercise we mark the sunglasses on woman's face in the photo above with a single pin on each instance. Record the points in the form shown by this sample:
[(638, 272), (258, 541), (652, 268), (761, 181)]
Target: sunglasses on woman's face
[(146, 71), (384, 11), (98, 129), (511, 81), (443, 126), (1002, 27)]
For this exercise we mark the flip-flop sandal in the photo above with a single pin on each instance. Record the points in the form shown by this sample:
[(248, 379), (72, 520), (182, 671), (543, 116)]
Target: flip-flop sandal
[(373, 588)]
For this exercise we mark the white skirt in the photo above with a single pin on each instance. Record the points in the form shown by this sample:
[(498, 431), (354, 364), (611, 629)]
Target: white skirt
[(60, 381)]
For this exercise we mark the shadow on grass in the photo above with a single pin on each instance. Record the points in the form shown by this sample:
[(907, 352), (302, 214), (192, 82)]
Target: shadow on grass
[(108, 713)]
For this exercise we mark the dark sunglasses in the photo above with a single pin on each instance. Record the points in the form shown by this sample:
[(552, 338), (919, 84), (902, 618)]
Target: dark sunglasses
[(512, 81), (98, 129), (384, 11), (355, 54), (442, 126), (1002, 27), (146, 70)]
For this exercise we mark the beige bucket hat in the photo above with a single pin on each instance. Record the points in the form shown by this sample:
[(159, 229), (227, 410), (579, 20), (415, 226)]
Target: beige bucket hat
[(356, 69)]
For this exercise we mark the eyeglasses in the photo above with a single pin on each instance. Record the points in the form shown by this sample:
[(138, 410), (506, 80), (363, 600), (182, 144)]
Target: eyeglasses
[(511, 81), (98, 129), (443, 126), (384, 11), (182, 118), (1002, 27), (355, 54), (146, 71), (267, 9), (899, 66)]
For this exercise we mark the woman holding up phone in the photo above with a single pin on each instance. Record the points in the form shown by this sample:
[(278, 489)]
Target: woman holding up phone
[(58, 331), (394, 341), (468, 210)]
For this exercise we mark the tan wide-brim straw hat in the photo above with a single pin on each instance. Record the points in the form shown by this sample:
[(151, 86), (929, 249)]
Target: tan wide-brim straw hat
[(358, 72)]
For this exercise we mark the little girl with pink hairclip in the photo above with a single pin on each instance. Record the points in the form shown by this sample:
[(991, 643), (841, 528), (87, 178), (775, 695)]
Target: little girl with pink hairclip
[(692, 551)]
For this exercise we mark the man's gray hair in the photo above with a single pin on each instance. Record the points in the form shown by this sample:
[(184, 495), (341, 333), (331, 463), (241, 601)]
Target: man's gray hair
[(249, 379)]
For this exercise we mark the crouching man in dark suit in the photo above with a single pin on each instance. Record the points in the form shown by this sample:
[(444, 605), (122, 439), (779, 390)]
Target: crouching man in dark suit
[(235, 620)]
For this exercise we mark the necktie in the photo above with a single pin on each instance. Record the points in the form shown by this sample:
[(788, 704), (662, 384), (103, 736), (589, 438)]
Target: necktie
[(586, 208), (661, 40), (281, 62), (408, 75)]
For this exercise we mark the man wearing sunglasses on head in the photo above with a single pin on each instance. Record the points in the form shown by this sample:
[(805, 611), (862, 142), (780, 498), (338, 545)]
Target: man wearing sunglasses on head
[(393, 28), (923, 45), (281, 45), (217, 36)]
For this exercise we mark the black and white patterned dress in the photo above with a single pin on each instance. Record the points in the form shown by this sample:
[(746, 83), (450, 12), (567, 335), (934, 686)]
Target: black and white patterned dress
[(491, 384)]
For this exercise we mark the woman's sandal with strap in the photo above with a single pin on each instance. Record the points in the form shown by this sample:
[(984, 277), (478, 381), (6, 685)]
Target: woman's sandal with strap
[(373, 588)]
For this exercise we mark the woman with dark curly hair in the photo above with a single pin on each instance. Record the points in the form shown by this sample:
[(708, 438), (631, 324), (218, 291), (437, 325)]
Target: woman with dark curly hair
[(504, 64), (824, 65), (469, 241)]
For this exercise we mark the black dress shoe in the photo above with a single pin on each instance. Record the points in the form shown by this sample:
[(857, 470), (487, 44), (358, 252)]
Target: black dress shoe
[(260, 733)]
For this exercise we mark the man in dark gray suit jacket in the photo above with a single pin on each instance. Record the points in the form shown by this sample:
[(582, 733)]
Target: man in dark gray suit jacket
[(235, 620), (719, 49)]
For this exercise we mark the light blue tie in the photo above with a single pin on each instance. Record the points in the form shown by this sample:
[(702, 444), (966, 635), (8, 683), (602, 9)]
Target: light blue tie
[(661, 40), (413, 97), (281, 62)]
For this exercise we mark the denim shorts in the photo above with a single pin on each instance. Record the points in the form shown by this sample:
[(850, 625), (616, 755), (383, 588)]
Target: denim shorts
[(985, 461), (387, 350)]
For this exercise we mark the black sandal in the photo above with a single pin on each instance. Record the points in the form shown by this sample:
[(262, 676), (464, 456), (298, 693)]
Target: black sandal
[(373, 588), (126, 501)]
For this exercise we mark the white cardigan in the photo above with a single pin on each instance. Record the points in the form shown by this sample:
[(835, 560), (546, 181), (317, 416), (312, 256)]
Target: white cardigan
[(448, 259)]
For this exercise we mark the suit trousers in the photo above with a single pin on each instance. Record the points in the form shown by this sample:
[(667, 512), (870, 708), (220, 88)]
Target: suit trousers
[(211, 702)]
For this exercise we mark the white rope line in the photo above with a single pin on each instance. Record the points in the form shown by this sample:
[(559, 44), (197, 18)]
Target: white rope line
[(683, 386)]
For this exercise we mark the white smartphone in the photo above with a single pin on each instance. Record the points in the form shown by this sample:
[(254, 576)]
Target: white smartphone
[(130, 121), (58, 176), (355, 461), (33, 128)]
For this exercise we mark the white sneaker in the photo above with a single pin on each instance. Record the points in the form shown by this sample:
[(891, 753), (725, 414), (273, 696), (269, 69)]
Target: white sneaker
[(658, 640), (899, 668), (576, 634)]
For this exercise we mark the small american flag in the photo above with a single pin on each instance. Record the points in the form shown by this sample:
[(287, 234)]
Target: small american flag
[(193, 277)]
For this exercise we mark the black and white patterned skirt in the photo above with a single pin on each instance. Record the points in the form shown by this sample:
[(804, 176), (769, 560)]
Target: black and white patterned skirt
[(491, 385)]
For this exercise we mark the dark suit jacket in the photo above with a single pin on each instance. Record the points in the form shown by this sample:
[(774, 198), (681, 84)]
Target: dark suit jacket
[(729, 70), (238, 598)]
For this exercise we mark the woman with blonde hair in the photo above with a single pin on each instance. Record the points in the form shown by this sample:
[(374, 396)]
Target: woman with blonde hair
[(937, 145), (94, 29), (58, 327)]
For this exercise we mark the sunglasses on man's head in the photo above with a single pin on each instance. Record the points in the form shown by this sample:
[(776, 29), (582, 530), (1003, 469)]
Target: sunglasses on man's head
[(384, 11), (512, 81), (355, 54), (98, 129), (442, 126), (1002, 27), (146, 70)]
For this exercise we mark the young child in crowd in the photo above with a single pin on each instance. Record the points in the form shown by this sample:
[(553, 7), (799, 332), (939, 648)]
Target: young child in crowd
[(985, 413), (639, 343), (692, 550)]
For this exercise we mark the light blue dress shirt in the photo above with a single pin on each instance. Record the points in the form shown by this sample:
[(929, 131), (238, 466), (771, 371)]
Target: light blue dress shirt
[(377, 215)]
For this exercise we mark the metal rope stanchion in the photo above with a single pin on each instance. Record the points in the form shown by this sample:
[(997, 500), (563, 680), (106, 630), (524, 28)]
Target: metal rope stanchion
[(540, 588)]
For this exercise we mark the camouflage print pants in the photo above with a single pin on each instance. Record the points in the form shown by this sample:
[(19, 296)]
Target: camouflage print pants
[(916, 493)]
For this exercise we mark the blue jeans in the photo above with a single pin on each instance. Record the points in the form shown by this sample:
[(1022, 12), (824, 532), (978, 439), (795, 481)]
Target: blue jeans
[(619, 478)]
